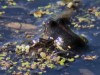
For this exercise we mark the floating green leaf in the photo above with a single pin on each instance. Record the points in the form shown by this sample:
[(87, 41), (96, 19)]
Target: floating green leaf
[(43, 55), (14, 3), (97, 14), (71, 59), (51, 66), (2, 55), (4, 7), (62, 61), (1, 58), (25, 63)]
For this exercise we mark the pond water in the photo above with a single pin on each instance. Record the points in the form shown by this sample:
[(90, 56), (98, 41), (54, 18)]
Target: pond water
[(20, 14)]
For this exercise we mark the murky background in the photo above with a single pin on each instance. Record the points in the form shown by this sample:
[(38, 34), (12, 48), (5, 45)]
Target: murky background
[(10, 31)]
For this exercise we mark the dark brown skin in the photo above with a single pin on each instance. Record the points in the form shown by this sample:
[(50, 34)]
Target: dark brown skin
[(59, 29)]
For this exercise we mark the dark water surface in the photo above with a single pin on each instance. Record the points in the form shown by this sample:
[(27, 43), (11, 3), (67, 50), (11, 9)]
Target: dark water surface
[(20, 13)]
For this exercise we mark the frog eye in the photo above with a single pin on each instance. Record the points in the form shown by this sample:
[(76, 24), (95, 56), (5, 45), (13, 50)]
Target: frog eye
[(52, 23)]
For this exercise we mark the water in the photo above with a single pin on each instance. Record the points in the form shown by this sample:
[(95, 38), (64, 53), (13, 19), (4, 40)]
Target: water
[(19, 14)]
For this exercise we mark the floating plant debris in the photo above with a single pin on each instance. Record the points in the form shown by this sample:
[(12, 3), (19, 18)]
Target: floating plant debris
[(90, 57), (32, 57), (1, 13), (4, 7), (60, 3), (40, 13), (97, 14)]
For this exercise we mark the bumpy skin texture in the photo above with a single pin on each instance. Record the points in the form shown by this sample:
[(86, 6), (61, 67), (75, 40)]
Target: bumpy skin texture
[(59, 29)]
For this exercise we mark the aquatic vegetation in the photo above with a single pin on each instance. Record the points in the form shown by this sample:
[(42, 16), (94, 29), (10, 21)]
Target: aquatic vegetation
[(90, 57), (97, 14), (60, 3), (84, 20), (40, 13), (1, 13), (71, 59), (33, 57)]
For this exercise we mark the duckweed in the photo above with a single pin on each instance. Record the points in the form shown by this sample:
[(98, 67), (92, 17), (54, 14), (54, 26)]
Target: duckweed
[(97, 14), (43, 55), (71, 59), (4, 7), (51, 66), (62, 61)]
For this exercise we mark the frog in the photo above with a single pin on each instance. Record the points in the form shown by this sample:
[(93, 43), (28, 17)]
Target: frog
[(58, 30)]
